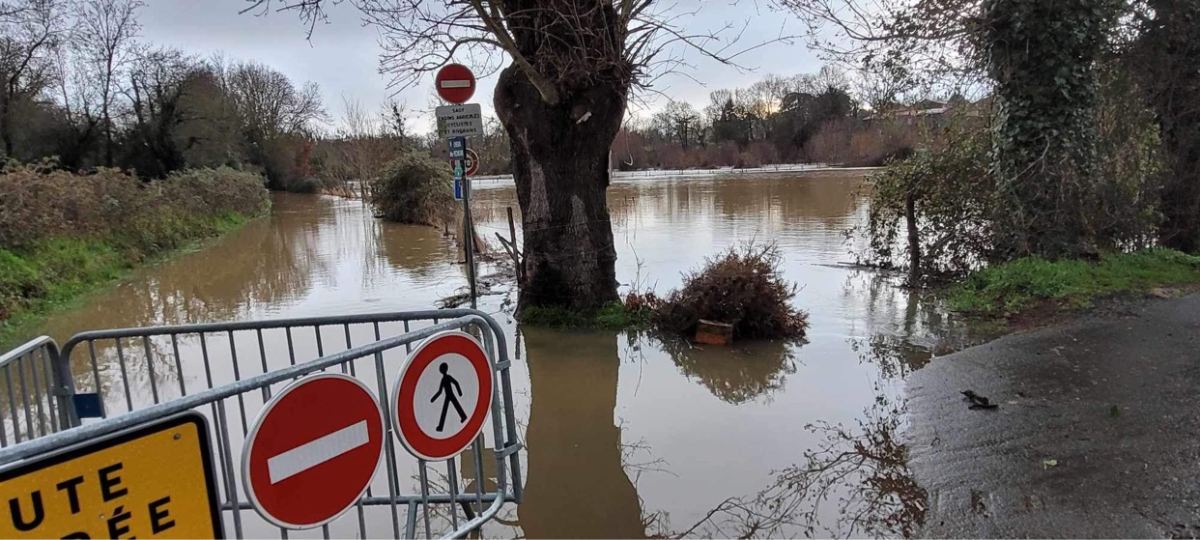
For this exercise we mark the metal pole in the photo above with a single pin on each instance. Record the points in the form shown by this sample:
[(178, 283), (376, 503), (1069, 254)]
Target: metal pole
[(512, 236), (468, 228)]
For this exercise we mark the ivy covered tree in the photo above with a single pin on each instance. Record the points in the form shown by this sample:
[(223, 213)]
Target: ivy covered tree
[(1042, 57)]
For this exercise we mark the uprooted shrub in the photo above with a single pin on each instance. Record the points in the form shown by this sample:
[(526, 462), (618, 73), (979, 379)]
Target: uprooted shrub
[(742, 287), (414, 188)]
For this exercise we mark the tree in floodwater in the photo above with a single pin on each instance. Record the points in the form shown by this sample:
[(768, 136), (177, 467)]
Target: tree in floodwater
[(1039, 59), (561, 100)]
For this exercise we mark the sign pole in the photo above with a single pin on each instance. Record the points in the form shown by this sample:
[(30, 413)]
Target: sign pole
[(456, 84), (469, 228)]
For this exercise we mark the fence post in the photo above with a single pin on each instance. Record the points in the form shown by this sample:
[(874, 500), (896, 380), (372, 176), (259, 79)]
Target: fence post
[(64, 387)]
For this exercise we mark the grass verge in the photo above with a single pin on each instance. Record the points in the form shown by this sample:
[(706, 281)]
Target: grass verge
[(1012, 288), (51, 274), (615, 316)]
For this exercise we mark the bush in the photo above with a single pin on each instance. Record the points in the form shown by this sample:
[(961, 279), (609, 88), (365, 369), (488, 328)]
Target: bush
[(61, 233), (943, 209), (414, 188), (935, 208), (38, 204), (742, 287)]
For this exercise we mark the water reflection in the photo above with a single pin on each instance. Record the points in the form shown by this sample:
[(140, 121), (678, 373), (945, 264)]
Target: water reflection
[(738, 373), (577, 486), (863, 470)]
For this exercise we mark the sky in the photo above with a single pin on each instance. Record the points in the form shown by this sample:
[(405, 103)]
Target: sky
[(342, 55)]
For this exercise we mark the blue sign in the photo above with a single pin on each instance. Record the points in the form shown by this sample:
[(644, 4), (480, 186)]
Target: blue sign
[(458, 188), (458, 148)]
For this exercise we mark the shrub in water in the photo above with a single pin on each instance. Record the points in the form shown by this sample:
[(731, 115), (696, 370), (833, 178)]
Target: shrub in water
[(414, 188), (742, 287)]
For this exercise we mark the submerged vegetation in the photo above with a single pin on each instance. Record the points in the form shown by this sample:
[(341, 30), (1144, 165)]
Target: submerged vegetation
[(414, 188), (743, 287), (65, 234)]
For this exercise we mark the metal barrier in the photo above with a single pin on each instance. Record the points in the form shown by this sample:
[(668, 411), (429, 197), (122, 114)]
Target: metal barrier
[(29, 386), (144, 375)]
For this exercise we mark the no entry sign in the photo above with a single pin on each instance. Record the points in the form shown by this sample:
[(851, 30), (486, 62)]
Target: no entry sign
[(455, 83), (443, 396), (313, 450), (469, 159)]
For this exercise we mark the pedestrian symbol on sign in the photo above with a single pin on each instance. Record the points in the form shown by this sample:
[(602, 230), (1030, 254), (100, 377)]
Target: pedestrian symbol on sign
[(442, 396), (448, 387)]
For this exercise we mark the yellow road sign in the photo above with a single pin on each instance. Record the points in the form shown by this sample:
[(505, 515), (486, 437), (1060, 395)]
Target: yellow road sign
[(153, 481)]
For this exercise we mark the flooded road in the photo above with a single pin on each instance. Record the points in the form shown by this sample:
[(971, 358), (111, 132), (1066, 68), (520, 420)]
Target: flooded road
[(626, 435)]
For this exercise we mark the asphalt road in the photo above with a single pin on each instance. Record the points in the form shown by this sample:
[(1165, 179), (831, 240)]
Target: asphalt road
[(1097, 433)]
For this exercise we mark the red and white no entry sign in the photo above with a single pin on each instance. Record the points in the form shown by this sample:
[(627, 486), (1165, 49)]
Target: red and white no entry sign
[(443, 396), (455, 83), (313, 450)]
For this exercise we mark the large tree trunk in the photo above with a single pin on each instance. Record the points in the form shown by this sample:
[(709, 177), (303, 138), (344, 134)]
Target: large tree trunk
[(560, 164), (1045, 136)]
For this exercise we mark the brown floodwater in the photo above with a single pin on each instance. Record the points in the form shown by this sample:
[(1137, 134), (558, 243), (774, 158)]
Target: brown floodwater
[(626, 435)]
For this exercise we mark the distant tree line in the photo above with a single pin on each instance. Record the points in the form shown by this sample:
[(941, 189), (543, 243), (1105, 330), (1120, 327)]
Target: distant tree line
[(81, 87), (803, 118)]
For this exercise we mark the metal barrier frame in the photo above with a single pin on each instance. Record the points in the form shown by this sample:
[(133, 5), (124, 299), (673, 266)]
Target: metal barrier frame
[(504, 431), (58, 404)]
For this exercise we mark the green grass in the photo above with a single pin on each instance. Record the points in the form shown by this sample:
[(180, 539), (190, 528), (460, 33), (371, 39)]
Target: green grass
[(47, 276), (611, 317), (1010, 288)]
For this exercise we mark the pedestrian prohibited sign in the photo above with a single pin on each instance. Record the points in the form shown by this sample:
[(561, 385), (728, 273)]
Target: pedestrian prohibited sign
[(313, 451), (443, 396), (153, 481)]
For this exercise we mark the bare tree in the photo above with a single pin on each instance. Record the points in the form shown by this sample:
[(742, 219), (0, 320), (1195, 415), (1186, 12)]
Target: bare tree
[(81, 106), (913, 42), (269, 104), (363, 145), (562, 100), (679, 121), (275, 117), (29, 32), (107, 30)]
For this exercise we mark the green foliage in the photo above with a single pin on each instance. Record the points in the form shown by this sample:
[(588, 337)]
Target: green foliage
[(414, 188), (961, 216), (65, 234), (1015, 286), (742, 287), (1130, 170), (1164, 56), (952, 198), (614, 316)]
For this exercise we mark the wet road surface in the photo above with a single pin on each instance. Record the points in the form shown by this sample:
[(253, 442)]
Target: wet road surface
[(1097, 433)]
